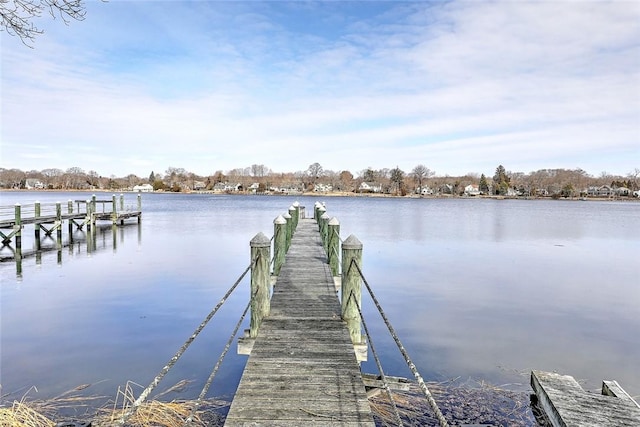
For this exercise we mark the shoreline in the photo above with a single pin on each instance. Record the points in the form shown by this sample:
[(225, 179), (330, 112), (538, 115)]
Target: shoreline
[(338, 194)]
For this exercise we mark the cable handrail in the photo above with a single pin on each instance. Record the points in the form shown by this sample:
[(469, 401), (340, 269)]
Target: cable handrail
[(423, 386), (383, 377), (205, 389), (145, 393)]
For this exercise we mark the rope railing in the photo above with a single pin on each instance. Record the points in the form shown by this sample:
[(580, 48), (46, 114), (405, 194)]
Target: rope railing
[(145, 393), (205, 389), (383, 377), (423, 386)]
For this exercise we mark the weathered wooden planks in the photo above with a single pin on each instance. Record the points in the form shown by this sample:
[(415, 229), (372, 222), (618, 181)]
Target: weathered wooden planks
[(565, 403), (302, 369)]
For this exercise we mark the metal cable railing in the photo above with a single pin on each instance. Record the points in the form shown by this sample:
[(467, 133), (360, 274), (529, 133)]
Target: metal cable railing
[(205, 389), (145, 393), (423, 386), (383, 377)]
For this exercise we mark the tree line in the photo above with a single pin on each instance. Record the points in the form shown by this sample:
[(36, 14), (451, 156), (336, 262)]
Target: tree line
[(394, 181)]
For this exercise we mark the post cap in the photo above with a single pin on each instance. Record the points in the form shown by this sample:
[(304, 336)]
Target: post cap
[(324, 216), (296, 204), (286, 216), (334, 221), (352, 242), (260, 241), (279, 220)]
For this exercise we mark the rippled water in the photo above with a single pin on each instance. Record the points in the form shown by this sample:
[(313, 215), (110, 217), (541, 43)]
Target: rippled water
[(481, 289)]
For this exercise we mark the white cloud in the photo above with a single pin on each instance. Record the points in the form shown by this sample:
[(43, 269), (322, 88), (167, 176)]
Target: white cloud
[(461, 87)]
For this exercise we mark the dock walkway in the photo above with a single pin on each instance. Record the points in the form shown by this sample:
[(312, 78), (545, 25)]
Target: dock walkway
[(302, 369)]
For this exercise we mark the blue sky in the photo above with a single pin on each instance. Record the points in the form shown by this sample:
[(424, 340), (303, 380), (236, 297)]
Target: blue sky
[(215, 85)]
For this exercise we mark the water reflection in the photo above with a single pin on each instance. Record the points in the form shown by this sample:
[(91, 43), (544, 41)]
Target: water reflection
[(78, 242), (474, 288)]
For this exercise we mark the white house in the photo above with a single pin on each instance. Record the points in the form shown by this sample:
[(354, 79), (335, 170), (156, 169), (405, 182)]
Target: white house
[(426, 191), (143, 188), (472, 190), (370, 187), (33, 184)]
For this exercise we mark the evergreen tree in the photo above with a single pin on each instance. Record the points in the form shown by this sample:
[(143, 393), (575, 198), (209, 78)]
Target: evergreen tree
[(501, 180), (483, 186), (152, 178)]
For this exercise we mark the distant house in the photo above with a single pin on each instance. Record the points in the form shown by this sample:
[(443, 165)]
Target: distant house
[(199, 185), (602, 191), (322, 188), (622, 191), (636, 193), (253, 188), (512, 192), (33, 184), (143, 188), (370, 187), (472, 190), (426, 191), (225, 187)]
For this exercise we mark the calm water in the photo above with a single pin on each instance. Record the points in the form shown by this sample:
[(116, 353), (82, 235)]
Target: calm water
[(478, 289)]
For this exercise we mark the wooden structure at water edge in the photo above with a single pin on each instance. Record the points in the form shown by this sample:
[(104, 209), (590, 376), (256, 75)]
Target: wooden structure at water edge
[(302, 369), (566, 404), (49, 218)]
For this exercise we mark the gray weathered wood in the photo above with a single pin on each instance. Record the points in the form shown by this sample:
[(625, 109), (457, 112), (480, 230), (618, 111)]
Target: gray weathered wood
[(565, 403), (352, 286), (260, 280), (302, 370), (280, 231)]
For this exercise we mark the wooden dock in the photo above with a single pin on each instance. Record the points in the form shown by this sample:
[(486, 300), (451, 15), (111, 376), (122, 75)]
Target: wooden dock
[(302, 369), (78, 213), (565, 403)]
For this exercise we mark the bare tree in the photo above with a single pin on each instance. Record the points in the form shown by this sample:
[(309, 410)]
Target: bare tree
[(315, 171), (420, 173), (16, 16)]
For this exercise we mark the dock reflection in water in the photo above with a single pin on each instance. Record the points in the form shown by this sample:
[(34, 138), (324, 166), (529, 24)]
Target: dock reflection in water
[(76, 243)]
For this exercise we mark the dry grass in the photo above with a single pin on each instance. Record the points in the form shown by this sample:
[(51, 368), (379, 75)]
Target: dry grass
[(153, 413)]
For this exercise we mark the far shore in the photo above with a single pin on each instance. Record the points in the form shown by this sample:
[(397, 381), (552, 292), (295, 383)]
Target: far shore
[(333, 194)]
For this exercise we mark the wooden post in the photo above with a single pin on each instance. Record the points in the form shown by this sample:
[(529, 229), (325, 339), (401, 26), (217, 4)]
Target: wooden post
[(94, 210), (292, 213), (316, 206), (280, 231), (324, 230), (351, 286), (70, 211), (319, 211), (88, 217), (114, 212), (334, 245), (260, 279), (38, 212), (121, 202), (289, 231), (139, 208), (59, 225), (17, 228), (296, 217)]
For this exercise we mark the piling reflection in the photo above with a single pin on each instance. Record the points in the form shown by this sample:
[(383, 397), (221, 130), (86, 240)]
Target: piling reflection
[(77, 242)]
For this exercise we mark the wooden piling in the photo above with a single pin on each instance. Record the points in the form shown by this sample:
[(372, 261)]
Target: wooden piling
[(280, 231), (351, 286), (296, 217), (333, 250), (17, 228), (38, 214), (260, 279), (289, 230), (292, 213), (58, 225), (324, 231), (114, 211)]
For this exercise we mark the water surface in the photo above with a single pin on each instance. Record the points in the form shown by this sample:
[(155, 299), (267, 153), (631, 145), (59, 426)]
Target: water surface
[(480, 289)]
